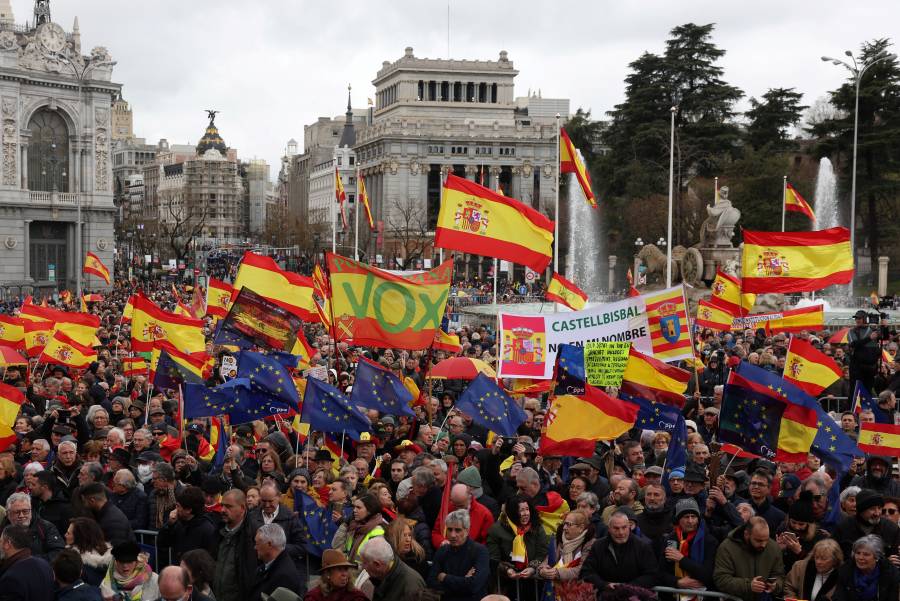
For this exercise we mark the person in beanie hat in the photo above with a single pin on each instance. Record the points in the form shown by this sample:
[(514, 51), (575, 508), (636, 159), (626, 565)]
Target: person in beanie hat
[(129, 575), (868, 520), (799, 533), (878, 477), (689, 550), (471, 477)]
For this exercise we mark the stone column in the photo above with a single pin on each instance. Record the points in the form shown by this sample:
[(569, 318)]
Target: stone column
[(26, 248), (612, 274), (882, 275), (636, 270)]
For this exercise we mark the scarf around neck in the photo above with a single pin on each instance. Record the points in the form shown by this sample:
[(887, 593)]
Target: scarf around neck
[(866, 585), (132, 585), (570, 550), (518, 554)]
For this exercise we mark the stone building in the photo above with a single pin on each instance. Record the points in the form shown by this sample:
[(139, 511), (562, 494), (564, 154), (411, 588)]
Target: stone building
[(433, 116), (56, 184)]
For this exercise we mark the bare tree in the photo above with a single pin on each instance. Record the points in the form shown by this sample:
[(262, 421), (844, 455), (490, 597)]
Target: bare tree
[(407, 230), (184, 222)]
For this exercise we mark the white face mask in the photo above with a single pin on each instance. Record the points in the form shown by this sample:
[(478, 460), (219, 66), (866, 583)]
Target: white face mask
[(145, 472)]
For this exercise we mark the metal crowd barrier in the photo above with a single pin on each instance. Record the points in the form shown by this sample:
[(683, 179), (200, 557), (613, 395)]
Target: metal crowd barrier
[(538, 584), (147, 540)]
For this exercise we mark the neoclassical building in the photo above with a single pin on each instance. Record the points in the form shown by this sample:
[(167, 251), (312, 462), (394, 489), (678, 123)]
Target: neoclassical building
[(56, 110)]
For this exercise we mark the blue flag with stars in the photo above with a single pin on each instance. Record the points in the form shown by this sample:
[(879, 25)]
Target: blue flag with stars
[(316, 523), (831, 445), (325, 409), (657, 416), (570, 374), (269, 379), (378, 388), (750, 418), (778, 386), (235, 398), (864, 401), (491, 407)]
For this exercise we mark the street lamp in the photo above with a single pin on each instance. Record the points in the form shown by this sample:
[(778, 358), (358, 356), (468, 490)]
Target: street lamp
[(639, 243), (672, 110), (661, 242), (857, 71)]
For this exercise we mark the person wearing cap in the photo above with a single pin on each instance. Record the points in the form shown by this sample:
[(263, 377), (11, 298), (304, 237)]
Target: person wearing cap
[(689, 554), (335, 583), (761, 501), (748, 562), (800, 532), (868, 520), (471, 477), (129, 575), (709, 425), (878, 477), (406, 451), (620, 557)]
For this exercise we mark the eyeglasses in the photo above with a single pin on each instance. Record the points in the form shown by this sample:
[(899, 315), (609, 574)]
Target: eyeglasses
[(570, 524), (891, 510), (20, 511), (759, 484)]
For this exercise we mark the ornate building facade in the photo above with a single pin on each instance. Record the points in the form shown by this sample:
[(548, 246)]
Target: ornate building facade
[(56, 173)]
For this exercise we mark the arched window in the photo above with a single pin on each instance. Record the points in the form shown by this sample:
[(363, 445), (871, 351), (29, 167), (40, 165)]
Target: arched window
[(48, 152)]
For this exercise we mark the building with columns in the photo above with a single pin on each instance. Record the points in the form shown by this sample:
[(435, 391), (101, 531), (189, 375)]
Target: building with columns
[(56, 184), (434, 116)]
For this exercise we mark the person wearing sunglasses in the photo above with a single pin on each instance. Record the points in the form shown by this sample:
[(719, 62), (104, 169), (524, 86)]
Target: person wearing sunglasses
[(892, 509)]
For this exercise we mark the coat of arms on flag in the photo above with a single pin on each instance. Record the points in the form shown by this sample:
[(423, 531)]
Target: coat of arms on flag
[(471, 217), (523, 353), (771, 264), (669, 322)]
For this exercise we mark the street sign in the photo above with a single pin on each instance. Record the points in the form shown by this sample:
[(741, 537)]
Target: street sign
[(530, 275), (51, 272)]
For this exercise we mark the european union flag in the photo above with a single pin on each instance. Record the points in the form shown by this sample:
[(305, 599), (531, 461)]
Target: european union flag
[(327, 410), (864, 401), (269, 379), (491, 407), (169, 374), (658, 416), (777, 386), (235, 398), (750, 419), (221, 444), (831, 445), (570, 374), (316, 522), (377, 388)]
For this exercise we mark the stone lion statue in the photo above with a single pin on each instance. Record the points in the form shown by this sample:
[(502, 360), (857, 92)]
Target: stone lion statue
[(655, 260)]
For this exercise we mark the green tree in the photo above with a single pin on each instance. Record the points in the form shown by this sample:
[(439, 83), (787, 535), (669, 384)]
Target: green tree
[(878, 170), (772, 117)]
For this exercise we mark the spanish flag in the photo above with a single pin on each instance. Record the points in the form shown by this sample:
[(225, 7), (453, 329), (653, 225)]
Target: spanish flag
[(713, 317), (791, 262), (322, 290), (553, 513), (218, 298), (794, 202), (93, 265), (654, 380), (134, 366), (474, 219), (81, 327), (446, 342), (84, 307), (193, 363), (286, 289), (796, 320), (565, 293), (93, 298), (575, 423), (726, 293), (339, 195), (12, 332), (128, 311), (570, 162), (667, 319), (374, 307), (37, 335), (150, 325), (11, 400), (879, 439), (62, 350), (808, 368), (363, 198)]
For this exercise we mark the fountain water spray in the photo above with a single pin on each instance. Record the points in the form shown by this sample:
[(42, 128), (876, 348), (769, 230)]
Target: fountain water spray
[(586, 263), (826, 196)]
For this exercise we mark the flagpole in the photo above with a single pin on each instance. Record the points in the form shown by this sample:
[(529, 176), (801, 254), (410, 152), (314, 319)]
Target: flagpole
[(495, 283), (343, 433), (356, 221), (673, 110), (556, 208), (783, 201), (334, 216)]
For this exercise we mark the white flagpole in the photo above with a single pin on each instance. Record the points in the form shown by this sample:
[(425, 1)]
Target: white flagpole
[(356, 220), (783, 201), (441, 199), (556, 207), (334, 202)]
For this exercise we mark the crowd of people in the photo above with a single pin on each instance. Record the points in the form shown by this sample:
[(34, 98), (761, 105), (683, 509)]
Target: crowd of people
[(105, 494)]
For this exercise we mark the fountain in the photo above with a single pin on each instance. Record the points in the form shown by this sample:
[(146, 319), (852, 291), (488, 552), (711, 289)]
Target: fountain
[(826, 196), (586, 260)]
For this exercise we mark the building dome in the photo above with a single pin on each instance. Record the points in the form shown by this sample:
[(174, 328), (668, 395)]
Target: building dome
[(211, 138)]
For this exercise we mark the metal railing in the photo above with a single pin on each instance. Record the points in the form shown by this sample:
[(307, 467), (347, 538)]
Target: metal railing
[(147, 540)]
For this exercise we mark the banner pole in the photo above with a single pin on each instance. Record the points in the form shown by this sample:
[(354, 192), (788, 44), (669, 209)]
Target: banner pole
[(356, 220), (783, 201), (556, 207)]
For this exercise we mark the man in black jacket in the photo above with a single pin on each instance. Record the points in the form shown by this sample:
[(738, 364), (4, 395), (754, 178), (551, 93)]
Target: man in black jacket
[(277, 569), (270, 511), (188, 526), (235, 558), (656, 519), (868, 520), (48, 502), (116, 527), (129, 498), (619, 558), (461, 568), (45, 539)]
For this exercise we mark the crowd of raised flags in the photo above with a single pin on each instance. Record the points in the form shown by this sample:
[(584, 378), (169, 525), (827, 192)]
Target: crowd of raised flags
[(306, 367)]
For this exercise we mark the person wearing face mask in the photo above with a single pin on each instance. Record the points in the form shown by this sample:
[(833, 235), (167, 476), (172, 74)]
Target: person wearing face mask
[(799, 533)]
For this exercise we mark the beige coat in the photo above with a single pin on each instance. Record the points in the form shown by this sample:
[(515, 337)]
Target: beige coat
[(798, 582)]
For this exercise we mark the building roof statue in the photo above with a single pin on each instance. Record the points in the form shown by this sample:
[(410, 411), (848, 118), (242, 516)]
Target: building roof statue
[(348, 136), (211, 138)]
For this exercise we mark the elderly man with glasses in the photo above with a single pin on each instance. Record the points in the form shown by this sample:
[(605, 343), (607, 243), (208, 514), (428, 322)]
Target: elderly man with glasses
[(46, 541)]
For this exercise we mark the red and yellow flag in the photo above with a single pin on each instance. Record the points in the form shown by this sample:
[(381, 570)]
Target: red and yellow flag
[(11, 399), (197, 363), (377, 308), (565, 293), (12, 332), (575, 423), (62, 350), (363, 198), (668, 322), (879, 439), (794, 202), (446, 342), (37, 335), (726, 293), (791, 262), (570, 162), (128, 311), (322, 291), (713, 317), (150, 325), (477, 220), (218, 298), (93, 265), (134, 366), (796, 320), (654, 380), (808, 368), (93, 298), (81, 327), (339, 195), (286, 289)]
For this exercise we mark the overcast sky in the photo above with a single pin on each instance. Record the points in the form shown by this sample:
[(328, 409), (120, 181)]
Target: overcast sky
[(272, 66)]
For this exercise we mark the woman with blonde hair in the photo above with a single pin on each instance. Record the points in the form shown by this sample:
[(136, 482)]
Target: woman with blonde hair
[(815, 576), (573, 541), (400, 536)]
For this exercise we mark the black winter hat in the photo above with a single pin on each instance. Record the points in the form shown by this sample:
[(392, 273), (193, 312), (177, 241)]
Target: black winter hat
[(801, 510), (866, 499)]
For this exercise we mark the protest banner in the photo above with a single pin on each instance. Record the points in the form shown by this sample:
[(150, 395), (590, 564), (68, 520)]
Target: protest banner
[(604, 362)]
